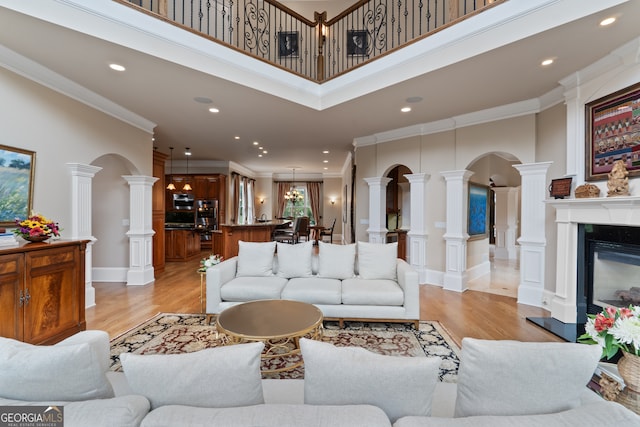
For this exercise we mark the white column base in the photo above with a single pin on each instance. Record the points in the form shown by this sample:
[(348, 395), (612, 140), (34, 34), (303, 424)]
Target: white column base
[(455, 276), (531, 286)]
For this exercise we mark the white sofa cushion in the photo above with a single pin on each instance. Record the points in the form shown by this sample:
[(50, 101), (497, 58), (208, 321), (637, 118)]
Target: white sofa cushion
[(255, 258), (59, 372), (273, 415), (314, 290), (400, 386), (252, 288), (521, 378), (212, 378), (377, 260), (336, 261), (372, 292), (595, 414), (294, 260)]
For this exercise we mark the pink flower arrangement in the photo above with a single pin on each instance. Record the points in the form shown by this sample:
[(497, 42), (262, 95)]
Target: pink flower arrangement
[(614, 329)]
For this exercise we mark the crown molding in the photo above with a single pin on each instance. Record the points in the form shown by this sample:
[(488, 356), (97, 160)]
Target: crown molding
[(33, 71)]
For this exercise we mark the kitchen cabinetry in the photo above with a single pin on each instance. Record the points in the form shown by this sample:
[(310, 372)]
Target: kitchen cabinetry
[(157, 211), (206, 187), (181, 245), (42, 291)]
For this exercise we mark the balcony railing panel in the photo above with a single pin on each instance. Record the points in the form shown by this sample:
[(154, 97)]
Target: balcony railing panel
[(319, 49)]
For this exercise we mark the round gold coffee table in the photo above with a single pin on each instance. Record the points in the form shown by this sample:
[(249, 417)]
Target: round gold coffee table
[(279, 324)]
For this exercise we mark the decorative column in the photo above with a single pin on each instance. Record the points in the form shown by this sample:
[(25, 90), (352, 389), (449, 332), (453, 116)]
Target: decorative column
[(532, 239), (81, 216), (456, 235), (417, 250), (506, 222), (377, 209), (140, 230)]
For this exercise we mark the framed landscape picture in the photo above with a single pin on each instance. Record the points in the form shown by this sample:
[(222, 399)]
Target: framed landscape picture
[(16, 184), (478, 226), (613, 133)]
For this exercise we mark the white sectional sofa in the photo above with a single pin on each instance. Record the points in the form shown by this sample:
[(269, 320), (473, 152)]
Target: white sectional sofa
[(363, 281), (500, 383)]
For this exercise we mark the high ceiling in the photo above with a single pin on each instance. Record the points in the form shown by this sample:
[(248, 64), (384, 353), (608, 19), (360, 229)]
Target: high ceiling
[(480, 67)]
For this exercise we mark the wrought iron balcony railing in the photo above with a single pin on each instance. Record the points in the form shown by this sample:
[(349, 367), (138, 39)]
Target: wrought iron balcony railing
[(320, 49)]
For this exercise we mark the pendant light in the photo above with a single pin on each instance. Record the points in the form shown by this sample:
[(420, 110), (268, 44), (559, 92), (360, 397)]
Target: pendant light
[(187, 186), (171, 186)]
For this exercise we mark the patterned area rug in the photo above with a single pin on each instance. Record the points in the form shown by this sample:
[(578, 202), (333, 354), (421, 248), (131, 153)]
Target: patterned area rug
[(182, 333)]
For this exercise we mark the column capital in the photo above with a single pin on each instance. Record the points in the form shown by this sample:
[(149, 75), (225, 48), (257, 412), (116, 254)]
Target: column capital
[(80, 169), (140, 179), (378, 180), (463, 175), (533, 168), (417, 178)]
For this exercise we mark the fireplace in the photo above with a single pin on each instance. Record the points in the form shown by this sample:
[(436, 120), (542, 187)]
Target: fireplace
[(609, 270), (597, 259)]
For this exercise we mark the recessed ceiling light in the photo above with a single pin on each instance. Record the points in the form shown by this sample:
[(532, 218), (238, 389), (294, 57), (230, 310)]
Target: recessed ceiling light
[(325, 152), (256, 143), (259, 155), (203, 100), (325, 161), (265, 152), (547, 62), (326, 169), (405, 109), (117, 67), (608, 21), (236, 137), (214, 110)]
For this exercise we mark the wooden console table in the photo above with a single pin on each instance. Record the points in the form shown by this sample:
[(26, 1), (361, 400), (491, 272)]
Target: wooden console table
[(42, 291)]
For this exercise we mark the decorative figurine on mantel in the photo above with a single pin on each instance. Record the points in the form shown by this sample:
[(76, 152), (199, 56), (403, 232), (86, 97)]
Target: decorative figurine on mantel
[(618, 183), (587, 191)]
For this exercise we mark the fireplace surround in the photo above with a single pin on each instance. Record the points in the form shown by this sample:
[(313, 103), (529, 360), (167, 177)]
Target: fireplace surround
[(575, 220)]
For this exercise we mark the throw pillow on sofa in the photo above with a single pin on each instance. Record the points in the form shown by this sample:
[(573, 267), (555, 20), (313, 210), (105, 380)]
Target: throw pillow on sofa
[(294, 260), (400, 386), (336, 261), (377, 260), (522, 378), (212, 378), (255, 259), (53, 373)]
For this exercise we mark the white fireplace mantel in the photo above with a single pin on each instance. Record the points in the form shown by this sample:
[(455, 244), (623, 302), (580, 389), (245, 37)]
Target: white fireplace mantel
[(621, 210)]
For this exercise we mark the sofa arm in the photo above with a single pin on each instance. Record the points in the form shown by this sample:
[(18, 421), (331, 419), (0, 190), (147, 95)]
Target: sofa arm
[(217, 276), (409, 282)]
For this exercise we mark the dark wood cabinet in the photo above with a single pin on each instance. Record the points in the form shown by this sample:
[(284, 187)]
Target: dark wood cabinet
[(158, 208), (182, 245), (42, 291)]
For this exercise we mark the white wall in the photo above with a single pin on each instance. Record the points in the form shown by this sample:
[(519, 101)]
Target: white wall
[(61, 130)]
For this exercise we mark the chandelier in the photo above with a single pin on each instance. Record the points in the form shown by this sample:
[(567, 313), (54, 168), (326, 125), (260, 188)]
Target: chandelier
[(293, 195)]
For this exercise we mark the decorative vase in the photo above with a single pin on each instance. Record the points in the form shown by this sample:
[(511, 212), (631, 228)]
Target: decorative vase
[(629, 369), (40, 238)]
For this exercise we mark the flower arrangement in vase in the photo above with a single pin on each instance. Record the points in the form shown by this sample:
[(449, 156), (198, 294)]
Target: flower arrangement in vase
[(36, 228), (614, 329), (209, 261)]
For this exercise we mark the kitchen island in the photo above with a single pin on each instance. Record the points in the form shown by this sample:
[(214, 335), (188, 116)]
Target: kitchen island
[(181, 243), (254, 232)]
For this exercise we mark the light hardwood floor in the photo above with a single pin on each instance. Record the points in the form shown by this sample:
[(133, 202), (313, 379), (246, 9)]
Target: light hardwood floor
[(177, 290)]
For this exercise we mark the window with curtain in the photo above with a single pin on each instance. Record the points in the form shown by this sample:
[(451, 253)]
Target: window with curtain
[(243, 194)]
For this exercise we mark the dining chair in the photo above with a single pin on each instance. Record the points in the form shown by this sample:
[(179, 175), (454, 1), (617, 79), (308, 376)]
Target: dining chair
[(328, 232)]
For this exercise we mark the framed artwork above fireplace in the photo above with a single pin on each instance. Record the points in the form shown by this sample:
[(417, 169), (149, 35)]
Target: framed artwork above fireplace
[(613, 133)]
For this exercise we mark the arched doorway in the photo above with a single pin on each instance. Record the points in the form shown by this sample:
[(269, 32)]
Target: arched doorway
[(493, 263)]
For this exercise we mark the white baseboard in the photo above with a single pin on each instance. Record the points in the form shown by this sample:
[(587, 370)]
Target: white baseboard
[(109, 274)]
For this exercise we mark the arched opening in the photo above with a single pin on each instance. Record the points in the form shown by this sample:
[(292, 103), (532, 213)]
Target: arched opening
[(110, 206), (398, 208), (493, 262)]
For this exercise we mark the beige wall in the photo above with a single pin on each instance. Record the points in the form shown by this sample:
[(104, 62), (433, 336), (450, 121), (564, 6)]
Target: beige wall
[(61, 130)]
